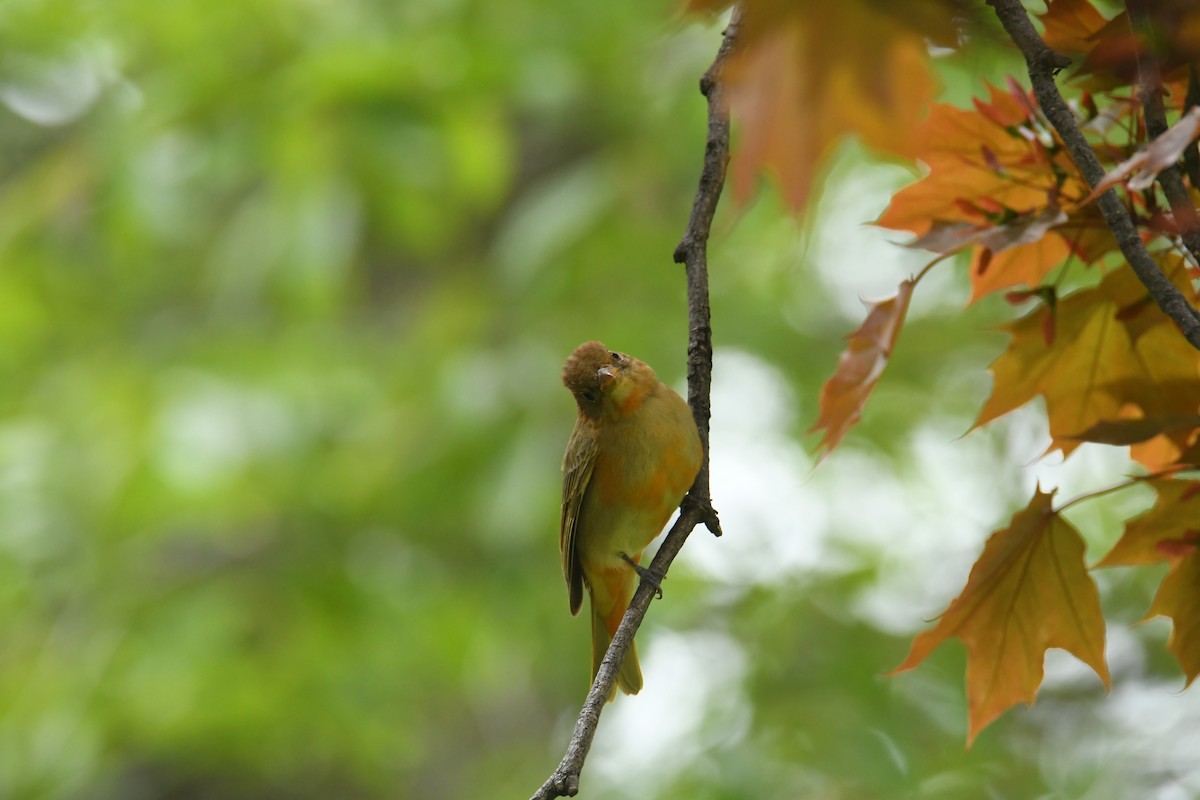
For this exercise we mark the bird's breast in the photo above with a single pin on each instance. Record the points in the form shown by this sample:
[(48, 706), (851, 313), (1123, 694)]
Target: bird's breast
[(650, 458)]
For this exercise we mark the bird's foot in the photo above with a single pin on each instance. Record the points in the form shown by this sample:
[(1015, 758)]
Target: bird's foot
[(648, 575)]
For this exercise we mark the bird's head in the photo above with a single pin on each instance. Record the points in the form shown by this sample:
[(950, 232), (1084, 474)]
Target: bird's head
[(604, 381)]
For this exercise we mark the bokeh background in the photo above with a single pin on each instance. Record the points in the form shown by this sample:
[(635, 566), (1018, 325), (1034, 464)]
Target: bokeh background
[(285, 287)]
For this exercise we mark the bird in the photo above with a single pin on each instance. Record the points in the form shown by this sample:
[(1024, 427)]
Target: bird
[(632, 456)]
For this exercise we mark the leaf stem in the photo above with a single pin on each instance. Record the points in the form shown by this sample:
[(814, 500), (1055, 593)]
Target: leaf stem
[(937, 261), (1133, 480), (1097, 493)]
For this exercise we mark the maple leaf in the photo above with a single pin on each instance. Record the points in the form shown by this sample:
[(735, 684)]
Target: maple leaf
[(1110, 350), (1179, 598), (1164, 380), (1175, 516), (1090, 349), (983, 161), (1169, 390), (1023, 265), (860, 366), (1029, 591), (798, 81)]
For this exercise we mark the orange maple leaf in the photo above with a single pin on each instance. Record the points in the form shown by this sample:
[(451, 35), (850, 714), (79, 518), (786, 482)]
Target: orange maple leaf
[(806, 73), (860, 366), (985, 160), (1179, 598), (1174, 517), (1029, 591), (1023, 265)]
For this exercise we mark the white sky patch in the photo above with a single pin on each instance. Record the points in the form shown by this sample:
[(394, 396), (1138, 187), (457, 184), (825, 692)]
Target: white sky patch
[(858, 261), (784, 519), (773, 518), (921, 528)]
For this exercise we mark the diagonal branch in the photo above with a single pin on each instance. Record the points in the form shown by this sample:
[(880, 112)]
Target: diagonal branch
[(697, 508), (1150, 92), (1043, 64), (1191, 156)]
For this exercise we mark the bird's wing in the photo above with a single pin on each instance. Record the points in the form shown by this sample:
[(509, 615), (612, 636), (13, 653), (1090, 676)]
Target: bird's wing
[(578, 463)]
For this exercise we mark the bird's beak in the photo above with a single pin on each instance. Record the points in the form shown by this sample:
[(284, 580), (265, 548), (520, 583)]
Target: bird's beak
[(607, 375)]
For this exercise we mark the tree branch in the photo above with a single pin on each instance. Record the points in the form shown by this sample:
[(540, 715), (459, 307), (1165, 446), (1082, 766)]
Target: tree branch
[(1150, 92), (1043, 64), (697, 508), (1191, 156)]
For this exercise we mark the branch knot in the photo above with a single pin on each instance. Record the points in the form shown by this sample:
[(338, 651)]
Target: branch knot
[(1053, 61)]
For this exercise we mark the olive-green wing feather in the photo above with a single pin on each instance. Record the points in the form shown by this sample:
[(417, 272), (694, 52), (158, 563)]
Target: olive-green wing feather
[(577, 472)]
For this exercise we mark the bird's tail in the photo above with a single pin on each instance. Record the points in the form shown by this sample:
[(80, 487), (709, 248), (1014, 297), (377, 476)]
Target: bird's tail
[(629, 676)]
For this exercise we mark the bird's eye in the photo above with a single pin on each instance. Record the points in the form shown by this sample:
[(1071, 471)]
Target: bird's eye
[(589, 395), (616, 357)]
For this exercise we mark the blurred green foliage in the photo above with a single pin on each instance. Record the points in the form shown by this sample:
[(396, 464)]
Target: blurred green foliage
[(284, 290)]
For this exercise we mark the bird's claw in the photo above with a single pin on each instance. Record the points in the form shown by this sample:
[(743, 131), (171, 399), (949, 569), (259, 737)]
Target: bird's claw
[(646, 574)]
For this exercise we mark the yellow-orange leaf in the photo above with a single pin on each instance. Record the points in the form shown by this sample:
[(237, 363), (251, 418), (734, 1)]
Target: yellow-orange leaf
[(1089, 349), (1110, 352), (859, 367), (1167, 384), (1029, 591), (1151, 536), (1165, 379), (1179, 598)]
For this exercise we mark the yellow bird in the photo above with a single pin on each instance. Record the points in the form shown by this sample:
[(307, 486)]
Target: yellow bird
[(633, 455)]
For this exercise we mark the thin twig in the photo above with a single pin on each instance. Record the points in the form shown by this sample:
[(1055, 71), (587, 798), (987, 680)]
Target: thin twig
[(697, 506), (1150, 92), (1132, 480), (1043, 64)]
